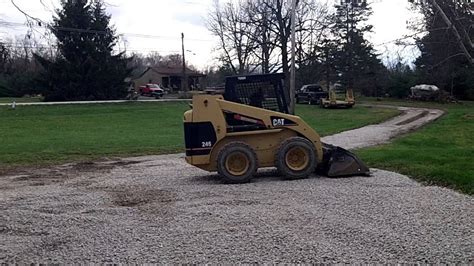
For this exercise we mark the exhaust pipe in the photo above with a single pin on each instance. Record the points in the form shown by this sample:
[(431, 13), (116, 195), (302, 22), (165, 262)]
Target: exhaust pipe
[(338, 162)]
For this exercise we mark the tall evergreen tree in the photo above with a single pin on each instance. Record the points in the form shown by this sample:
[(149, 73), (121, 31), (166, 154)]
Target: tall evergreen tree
[(443, 61), (86, 67), (354, 59)]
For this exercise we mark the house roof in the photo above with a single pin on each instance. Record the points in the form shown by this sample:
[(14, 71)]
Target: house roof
[(137, 72), (175, 71), (172, 71)]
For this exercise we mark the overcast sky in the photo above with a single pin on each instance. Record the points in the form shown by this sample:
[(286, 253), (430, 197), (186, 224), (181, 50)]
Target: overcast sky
[(162, 21)]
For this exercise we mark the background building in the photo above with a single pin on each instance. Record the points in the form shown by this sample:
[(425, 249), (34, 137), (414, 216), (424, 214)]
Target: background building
[(169, 77)]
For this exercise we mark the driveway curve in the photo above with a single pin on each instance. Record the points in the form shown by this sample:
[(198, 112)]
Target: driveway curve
[(159, 209), (409, 120)]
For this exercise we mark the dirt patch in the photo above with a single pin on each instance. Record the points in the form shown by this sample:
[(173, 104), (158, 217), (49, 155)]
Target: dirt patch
[(41, 179), (408, 121), (125, 163), (73, 168), (91, 167), (59, 174), (36, 177), (137, 196), (54, 244)]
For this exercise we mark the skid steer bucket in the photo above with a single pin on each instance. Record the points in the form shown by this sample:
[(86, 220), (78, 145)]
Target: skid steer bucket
[(339, 162)]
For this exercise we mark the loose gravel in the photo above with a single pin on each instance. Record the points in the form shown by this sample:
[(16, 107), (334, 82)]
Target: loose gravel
[(158, 209)]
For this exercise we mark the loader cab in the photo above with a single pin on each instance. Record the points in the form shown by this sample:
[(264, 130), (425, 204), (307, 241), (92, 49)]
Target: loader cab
[(263, 91)]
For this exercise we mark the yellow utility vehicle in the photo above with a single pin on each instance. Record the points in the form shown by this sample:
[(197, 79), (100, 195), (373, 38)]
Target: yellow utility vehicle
[(336, 100), (249, 127)]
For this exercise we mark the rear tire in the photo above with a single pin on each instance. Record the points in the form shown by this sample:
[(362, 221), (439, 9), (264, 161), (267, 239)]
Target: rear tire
[(296, 158), (237, 163)]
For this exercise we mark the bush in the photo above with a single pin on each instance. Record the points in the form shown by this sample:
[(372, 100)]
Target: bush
[(5, 89), (18, 84)]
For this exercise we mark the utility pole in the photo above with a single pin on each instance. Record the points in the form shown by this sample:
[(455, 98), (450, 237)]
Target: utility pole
[(184, 80), (293, 50)]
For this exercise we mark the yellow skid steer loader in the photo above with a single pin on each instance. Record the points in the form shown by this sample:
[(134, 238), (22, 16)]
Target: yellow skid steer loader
[(249, 127)]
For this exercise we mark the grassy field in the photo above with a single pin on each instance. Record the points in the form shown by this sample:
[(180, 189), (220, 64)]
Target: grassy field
[(441, 153), (36, 135)]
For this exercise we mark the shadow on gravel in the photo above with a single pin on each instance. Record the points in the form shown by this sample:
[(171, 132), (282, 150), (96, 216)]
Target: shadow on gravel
[(262, 176)]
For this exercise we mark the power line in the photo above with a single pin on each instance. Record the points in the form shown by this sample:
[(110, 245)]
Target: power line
[(410, 36), (31, 46), (68, 29)]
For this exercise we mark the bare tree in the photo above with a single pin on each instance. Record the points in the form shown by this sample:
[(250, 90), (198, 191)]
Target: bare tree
[(229, 22), (310, 25), (257, 33), (259, 15)]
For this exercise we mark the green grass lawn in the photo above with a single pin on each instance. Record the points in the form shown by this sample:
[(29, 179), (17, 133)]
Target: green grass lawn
[(38, 135), (441, 153)]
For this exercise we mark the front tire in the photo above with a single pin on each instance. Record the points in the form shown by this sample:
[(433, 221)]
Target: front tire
[(237, 163), (296, 158)]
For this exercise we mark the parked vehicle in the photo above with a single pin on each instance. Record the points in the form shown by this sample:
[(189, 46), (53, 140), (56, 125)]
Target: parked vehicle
[(424, 92), (157, 94), (152, 90), (311, 94), (431, 93)]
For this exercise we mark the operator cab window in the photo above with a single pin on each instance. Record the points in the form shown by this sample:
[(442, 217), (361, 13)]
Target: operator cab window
[(257, 94), (263, 91)]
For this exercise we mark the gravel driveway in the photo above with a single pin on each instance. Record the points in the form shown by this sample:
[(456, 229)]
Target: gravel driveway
[(158, 209)]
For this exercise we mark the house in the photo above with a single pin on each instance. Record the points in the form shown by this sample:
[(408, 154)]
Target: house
[(168, 77)]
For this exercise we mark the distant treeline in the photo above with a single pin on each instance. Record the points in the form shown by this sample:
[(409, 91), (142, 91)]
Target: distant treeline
[(253, 37)]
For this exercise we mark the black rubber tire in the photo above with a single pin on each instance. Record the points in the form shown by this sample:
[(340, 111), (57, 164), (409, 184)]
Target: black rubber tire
[(280, 161), (228, 150)]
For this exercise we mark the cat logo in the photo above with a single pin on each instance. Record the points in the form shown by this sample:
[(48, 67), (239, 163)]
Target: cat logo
[(281, 122), (278, 122)]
